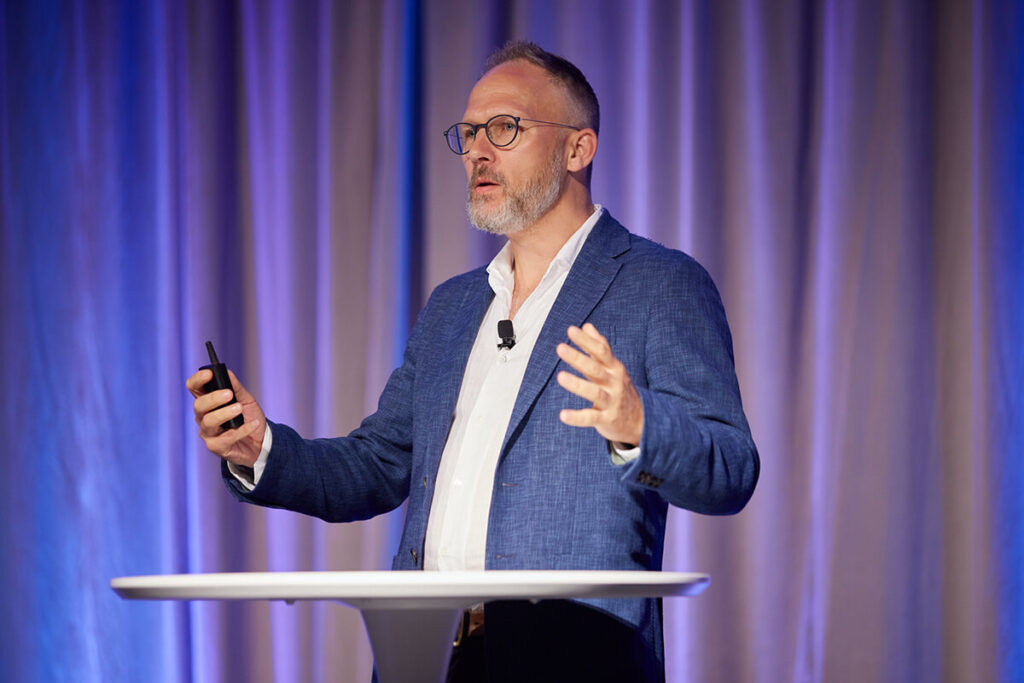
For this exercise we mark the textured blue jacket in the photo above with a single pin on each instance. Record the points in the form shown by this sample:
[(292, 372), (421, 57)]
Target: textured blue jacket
[(559, 502)]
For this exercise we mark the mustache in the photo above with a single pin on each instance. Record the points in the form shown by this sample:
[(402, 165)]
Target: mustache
[(480, 174)]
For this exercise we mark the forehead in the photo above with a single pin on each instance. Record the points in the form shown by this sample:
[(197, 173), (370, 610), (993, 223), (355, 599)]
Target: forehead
[(516, 87)]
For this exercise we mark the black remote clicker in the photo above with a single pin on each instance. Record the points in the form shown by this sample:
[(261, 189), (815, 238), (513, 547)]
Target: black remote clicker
[(220, 381)]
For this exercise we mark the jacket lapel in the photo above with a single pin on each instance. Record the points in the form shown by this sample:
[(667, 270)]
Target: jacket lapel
[(588, 279), (452, 360)]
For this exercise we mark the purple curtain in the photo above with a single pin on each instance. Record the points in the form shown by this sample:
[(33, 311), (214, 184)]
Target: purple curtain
[(271, 176)]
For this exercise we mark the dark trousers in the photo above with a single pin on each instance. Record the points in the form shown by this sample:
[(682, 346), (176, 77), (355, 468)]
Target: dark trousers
[(468, 663), (553, 640)]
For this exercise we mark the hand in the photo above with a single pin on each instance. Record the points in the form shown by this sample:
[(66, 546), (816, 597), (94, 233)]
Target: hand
[(238, 446), (617, 413)]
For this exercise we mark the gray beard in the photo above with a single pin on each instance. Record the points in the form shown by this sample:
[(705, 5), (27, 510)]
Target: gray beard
[(521, 207)]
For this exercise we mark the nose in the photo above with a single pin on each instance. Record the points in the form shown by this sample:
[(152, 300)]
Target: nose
[(481, 150)]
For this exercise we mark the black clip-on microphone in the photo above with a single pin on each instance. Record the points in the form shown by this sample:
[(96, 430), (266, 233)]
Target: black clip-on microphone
[(508, 336)]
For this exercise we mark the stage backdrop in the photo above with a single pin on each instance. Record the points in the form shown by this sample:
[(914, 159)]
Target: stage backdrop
[(271, 176)]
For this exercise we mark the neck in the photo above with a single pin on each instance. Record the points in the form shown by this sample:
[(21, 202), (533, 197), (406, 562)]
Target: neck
[(534, 247)]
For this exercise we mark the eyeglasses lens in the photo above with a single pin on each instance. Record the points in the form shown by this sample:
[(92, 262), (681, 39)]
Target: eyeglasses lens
[(501, 131), (460, 137)]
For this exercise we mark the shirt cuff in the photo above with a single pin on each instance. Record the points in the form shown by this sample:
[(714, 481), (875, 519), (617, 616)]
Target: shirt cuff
[(622, 456), (249, 477)]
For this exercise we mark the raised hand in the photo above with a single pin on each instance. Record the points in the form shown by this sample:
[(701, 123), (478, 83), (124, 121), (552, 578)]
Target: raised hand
[(616, 411)]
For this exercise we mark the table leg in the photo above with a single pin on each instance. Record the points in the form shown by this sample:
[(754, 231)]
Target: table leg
[(411, 645)]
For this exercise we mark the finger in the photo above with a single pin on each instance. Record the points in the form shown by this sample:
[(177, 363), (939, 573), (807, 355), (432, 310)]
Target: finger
[(225, 443), (196, 382), (582, 363), (588, 328), (212, 420), (591, 341), (597, 347), (207, 402), (584, 389), (587, 417)]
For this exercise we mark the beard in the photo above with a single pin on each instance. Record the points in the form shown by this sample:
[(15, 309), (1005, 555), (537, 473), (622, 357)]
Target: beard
[(521, 206)]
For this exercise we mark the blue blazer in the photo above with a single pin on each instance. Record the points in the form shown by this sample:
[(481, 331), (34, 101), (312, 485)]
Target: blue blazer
[(559, 501)]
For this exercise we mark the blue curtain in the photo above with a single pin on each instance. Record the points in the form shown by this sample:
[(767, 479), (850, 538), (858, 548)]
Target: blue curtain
[(270, 176)]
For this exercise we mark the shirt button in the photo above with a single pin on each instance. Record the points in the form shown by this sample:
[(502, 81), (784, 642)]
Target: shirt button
[(457, 482)]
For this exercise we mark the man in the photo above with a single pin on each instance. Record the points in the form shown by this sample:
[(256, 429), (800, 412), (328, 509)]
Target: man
[(508, 459)]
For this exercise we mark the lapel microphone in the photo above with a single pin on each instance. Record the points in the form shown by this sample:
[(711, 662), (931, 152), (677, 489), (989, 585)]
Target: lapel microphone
[(508, 336)]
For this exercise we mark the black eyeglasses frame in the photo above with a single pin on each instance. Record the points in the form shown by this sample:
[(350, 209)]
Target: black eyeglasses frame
[(486, 126)]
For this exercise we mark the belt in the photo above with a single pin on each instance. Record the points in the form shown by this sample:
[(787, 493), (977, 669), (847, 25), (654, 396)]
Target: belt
[(471, 624)]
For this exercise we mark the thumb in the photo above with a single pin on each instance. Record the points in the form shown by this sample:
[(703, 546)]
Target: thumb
[(242, 394)]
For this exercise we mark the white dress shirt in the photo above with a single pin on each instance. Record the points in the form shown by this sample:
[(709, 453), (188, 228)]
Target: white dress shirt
[(457, 526)]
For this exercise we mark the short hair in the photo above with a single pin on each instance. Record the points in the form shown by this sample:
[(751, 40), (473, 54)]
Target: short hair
[(562, 70)]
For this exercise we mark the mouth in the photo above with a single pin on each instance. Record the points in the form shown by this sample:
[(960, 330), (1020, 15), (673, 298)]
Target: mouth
[(481, 183)]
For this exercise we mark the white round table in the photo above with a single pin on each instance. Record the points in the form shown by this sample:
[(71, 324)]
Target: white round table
[(410, 615)]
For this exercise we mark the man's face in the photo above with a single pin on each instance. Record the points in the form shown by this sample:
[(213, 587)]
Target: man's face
[(511, 188)]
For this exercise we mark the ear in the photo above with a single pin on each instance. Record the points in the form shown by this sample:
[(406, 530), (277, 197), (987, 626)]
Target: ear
[(581, 147)]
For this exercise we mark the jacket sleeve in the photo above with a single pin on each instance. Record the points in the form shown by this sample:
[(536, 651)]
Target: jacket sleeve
[(347, 478), (696, 449)]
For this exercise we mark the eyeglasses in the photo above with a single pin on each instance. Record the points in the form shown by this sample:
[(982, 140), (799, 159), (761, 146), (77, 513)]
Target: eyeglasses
[(501, 131)]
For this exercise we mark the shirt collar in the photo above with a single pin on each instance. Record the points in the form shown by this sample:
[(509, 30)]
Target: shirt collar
[(499, 270)]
